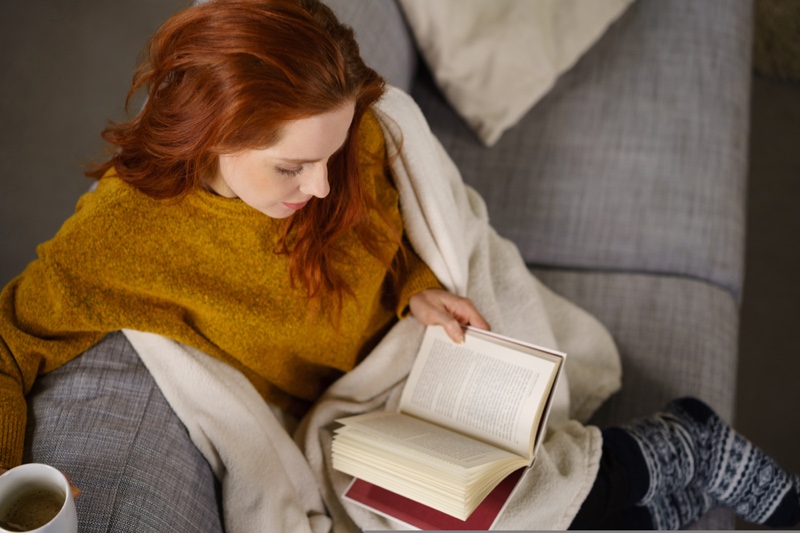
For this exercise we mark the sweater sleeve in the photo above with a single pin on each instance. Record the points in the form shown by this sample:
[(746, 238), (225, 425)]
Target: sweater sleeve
[(13, 411), (40, 329), (43, 324), (414, 276)]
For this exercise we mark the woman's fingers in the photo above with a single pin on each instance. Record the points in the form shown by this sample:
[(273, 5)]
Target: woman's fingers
[(441, 308)]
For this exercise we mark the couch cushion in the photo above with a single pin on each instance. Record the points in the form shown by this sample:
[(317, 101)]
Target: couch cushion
[(383, 37), (676, 337), (102, 419), (637, 159)]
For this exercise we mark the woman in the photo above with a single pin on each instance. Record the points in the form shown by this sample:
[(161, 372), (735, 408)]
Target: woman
[(247, 212)]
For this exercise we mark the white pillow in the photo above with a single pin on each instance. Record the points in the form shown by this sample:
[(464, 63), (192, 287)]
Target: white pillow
[(494, 59)]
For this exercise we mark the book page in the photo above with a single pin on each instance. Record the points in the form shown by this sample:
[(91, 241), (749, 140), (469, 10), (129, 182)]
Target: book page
[(481, 388), (407, 431)]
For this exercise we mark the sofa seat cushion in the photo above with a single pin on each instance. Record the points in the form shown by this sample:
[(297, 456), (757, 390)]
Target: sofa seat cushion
[(102, 419), (676, 337)]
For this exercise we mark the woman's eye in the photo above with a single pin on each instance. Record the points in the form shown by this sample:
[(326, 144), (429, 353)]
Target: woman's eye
[(290, 172)]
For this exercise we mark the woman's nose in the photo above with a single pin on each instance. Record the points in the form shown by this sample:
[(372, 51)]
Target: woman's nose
[(316, 183)]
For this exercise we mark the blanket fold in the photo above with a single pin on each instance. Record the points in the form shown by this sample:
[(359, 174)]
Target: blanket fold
[(272, 478)]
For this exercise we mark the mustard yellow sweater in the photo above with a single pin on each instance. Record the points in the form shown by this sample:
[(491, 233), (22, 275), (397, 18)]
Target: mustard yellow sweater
[(201, 271)]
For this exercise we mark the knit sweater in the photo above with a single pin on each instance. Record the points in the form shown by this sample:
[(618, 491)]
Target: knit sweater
[(203, 271)]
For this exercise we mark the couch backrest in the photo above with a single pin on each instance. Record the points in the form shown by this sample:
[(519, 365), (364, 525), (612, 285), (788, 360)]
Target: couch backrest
[(636, 160)]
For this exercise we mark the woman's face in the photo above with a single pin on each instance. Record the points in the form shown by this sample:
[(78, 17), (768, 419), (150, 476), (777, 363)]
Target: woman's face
[(281, 179)]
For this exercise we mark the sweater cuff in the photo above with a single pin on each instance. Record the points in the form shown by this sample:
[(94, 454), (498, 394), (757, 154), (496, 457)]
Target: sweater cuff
[(13, 417), (416, 278)]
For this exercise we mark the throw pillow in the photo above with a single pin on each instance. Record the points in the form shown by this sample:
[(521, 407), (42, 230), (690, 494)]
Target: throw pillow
[(494, 59)]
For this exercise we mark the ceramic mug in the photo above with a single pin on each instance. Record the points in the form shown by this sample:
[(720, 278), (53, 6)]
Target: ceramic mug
[(37, 497)]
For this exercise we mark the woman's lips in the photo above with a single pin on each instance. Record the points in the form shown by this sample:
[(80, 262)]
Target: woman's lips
[(295, 207)]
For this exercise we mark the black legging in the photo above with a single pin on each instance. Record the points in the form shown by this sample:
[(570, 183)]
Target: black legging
[(621, 481)]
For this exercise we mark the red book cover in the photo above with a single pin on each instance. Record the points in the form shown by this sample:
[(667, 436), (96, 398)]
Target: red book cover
[(423, 517)]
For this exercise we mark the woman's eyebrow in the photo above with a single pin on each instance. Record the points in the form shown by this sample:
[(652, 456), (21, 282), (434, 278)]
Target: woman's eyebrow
[(302, 161), (297, 161)]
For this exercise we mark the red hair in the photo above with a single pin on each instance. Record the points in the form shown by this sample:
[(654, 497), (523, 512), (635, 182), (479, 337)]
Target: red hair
[(225, 76)]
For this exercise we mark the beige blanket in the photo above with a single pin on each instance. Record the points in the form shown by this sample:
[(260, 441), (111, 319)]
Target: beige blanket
[(275, 481)]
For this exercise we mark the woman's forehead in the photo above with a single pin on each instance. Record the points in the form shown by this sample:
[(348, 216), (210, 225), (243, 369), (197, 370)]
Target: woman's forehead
[(313, 138)]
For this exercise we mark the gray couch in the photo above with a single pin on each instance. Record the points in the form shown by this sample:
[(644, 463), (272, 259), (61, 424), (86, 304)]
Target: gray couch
[(623, 188)]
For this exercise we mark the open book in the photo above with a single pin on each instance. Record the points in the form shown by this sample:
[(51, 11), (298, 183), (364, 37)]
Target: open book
[(470, 415)]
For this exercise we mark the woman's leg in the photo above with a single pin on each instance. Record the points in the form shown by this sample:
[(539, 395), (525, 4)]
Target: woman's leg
[(695, 461), (622, 483)]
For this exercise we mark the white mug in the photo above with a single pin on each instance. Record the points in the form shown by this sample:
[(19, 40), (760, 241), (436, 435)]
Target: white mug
[(20, 483)]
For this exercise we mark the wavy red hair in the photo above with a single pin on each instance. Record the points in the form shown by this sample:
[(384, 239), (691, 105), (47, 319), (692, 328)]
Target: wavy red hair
[(225, 76)]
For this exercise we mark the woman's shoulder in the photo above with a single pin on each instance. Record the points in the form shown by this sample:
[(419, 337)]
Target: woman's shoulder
[(121, 203), (105, 206), (109, 193), (106, 216)]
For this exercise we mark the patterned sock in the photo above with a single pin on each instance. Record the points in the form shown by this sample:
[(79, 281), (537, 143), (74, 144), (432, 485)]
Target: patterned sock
[(666, 512), (734, 472), (690, 451), (676, 510), (668, 451)]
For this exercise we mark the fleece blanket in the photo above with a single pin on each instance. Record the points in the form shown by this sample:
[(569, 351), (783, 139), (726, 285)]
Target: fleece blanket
[(280, 477)]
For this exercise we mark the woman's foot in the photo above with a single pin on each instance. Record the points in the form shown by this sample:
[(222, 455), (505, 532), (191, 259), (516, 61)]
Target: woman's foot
[(734, 472), (689, 448)]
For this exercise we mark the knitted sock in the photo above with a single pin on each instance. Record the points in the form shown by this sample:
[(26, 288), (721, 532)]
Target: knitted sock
[(666, 512), (678, 509), (734, 472), (668, 451), (689, 448)]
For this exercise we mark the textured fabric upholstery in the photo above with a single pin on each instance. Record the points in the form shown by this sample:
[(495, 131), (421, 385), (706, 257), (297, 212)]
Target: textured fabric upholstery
[(636, 160), (676, 337), (103, 421)]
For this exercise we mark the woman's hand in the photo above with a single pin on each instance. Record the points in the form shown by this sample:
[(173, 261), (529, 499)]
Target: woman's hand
[(435, 307)]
